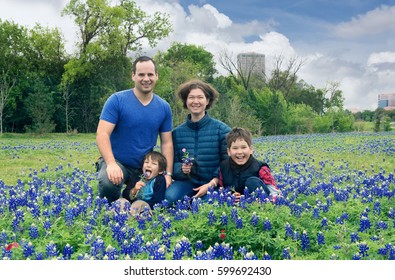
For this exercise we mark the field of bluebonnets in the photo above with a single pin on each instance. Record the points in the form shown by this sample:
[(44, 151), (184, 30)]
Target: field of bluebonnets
[(338, 203)]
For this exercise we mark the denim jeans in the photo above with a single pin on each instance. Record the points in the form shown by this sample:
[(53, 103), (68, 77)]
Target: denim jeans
[(178, 190)]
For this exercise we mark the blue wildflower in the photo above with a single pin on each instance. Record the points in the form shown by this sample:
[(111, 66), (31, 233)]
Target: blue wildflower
[(267, 225), (305, 241), (354, 237), (363, 249), (286, 254), (223, 219), (320, 238), (33, 231), (254, 219)]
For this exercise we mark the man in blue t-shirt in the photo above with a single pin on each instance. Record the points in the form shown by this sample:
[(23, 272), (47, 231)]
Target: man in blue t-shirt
[(129, 126)]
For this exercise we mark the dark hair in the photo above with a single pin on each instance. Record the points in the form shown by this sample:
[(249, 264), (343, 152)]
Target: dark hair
[(209, 91), (154, 155), (143, 58), (238, 133)]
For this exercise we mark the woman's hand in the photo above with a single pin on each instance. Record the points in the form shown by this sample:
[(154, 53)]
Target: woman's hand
[(186, 168), (202, 190)]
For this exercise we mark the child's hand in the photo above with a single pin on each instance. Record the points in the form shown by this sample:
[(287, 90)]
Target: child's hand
[(237, 196), (139, 185)]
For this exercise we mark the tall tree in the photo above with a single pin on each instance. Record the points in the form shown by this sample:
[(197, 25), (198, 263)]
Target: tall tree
[(13, 46), (284, 74), (110, 31)]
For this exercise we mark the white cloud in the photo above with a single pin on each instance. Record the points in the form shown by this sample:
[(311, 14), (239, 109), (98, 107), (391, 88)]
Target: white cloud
[(379, 20)]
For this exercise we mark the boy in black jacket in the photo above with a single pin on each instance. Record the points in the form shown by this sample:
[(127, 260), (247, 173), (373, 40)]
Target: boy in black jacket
[(242, 170), (151, 187)]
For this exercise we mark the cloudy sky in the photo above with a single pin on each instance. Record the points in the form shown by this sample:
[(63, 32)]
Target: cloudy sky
[(351, 42)]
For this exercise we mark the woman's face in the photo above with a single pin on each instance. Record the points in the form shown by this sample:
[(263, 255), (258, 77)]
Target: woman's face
[(197, 102)]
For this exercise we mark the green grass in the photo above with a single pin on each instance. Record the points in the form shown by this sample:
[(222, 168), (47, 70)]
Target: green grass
[(22, 153)]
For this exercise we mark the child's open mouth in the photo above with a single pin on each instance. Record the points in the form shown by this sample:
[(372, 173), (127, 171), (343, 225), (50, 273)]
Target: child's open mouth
[(147, 173)]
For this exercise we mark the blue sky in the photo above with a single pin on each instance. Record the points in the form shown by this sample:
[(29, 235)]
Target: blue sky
[(351, 42)]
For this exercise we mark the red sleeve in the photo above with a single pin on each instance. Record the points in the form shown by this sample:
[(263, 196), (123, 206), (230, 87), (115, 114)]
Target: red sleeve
[(266, 176)]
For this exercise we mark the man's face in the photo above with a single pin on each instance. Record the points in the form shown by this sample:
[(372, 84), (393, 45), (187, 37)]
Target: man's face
[(145, 77)]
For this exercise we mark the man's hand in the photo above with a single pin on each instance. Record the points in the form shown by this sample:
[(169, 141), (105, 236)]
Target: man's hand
[(114, 173)]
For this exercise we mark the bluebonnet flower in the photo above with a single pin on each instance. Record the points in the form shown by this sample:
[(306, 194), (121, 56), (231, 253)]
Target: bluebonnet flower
[(177, 252), (223, 219), (39, 256), (67, 251), (254, 219), (234, 214), (337, 247), (243, 202), (286, 254), (51, 250), (186, 158), (97, 247), (195, 205), (35, 210), (111, 253), (33, 231), (141, 223), (377, 207), (3, 237), (363, 249), (47, 224), (250, 256), (316, 212), (382, 225), (320, 238), (211, 218), (288, 230), (199, 245), (160, 254), (354, 237), (364, 224), (266, 256), (305, 241), (374, 238), (239, 223), (267, 225), (356, 256), (28, 249), (166, 224), (324, 222)]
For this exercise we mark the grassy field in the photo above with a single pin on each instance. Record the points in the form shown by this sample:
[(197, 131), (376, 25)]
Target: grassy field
[(338, 203)]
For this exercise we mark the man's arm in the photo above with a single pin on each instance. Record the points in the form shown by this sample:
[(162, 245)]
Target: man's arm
[(166, 145), (104, 130)]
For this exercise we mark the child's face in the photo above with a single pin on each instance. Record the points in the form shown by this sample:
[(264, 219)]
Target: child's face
[(240, 151), (150, 168)]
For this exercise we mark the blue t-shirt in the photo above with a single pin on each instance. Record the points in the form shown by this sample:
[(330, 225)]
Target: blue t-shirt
[(137, 127)]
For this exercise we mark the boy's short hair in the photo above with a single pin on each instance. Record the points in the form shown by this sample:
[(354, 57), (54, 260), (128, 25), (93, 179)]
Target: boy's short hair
[(154, 155), (238, 133)]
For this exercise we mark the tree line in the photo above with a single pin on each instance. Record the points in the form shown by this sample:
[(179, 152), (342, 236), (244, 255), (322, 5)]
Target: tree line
[(45, 89)]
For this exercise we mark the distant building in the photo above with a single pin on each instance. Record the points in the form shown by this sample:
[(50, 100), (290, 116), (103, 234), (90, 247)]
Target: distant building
[(387, 101), (252, 63)]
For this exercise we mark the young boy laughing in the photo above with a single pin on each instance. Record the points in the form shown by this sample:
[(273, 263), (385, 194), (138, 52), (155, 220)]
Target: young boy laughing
[(242, 170)]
